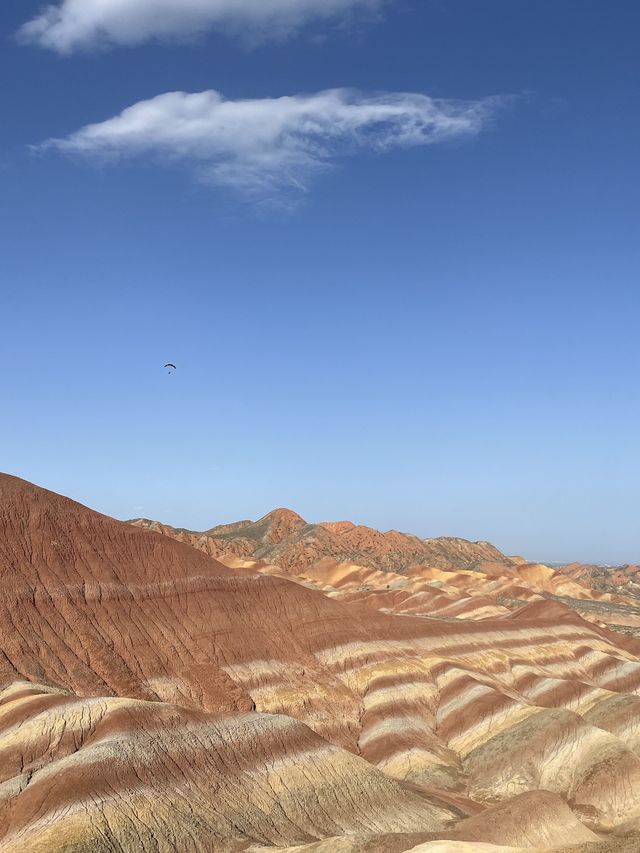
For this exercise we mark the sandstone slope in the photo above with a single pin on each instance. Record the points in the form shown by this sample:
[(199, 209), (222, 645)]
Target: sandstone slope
[(155, 699)]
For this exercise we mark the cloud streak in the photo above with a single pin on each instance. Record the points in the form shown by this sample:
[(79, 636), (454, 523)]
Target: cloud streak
[(274, 146), (72, 25)]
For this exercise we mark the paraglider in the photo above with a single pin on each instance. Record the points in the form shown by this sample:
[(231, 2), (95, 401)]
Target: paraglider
[(171, 367)]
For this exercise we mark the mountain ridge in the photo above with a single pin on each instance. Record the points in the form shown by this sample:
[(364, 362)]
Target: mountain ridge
[(153, 699), (282, 536)]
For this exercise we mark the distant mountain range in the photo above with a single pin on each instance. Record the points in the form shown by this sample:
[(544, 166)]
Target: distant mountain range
[(285, 538)]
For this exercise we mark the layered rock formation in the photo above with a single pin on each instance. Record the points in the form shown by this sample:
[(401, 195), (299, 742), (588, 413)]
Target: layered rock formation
[(283, 537), (152, 698)]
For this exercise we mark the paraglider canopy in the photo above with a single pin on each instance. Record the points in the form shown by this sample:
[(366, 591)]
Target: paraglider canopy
[(171, 367)]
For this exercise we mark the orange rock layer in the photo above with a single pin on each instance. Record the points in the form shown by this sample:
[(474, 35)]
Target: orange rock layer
[(154, 699)]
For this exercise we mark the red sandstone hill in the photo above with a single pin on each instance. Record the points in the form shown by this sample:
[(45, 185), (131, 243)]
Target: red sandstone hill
[(283, 537), (399, 573), (152, 699)]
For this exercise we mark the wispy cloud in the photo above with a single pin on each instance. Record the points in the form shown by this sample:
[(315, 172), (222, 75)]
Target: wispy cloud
[(272, 146), (83, 24)]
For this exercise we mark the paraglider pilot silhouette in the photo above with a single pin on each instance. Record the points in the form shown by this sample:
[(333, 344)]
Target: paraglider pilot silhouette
[(171, 367)]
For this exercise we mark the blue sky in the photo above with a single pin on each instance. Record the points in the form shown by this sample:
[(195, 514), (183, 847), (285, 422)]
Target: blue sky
[(378, 316)]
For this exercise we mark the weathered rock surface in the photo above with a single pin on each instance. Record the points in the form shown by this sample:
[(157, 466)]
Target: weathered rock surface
[(283, 537), (103, 774), (155, 699)]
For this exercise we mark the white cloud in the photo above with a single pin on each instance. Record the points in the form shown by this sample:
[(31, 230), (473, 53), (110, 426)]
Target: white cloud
[(273, 145), (80, 24)]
